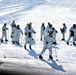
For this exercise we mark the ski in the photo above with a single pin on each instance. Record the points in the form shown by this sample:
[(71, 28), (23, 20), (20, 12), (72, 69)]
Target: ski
[(53, 59)]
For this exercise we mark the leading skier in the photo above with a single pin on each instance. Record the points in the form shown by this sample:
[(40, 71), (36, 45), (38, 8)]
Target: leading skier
[(48, 40)]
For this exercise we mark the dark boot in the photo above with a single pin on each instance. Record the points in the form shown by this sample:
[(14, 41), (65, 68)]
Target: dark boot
[(17, 43), (40, 57), (54, 43), (1, 40), (6, 40), (41, 39), (67, 43), (30, 47), (50, 57), (13, 42), (63, 39), (25, 46), (74, 43)]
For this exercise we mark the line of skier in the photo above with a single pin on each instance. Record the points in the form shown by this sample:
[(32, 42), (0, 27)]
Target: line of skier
[(72, 33), (48, 35), (15, 33)]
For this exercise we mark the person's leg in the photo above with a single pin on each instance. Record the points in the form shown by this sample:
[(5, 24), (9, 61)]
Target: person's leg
[(74, 41), (6, 36), (26, 42), (63, 36), (30, 47), (68, 40), (25, 45), (2, 37), (40, 56), (41, 36), (50, 53)]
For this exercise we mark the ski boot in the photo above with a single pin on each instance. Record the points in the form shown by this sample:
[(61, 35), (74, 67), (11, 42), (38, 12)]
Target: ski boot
[(6, 40), (1, 40), (40, 57), (25, 46), (63, 39), (17, 43), (41, 39), (54, 43), (30, 47), (13, 42), (50, 57), (74, 43), (67, 43)]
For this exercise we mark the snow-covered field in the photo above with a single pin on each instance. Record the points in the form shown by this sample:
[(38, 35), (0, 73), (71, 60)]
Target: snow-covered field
[(56, 12)]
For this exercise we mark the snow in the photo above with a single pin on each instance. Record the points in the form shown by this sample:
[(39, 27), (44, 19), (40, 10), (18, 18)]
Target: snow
[(39, 12)]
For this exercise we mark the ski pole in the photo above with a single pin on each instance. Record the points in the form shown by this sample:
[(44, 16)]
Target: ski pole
[(56, 54), (8, 34), (21, 39)]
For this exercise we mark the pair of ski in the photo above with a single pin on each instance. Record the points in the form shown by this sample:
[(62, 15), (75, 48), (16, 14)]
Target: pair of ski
[(56, 58), (1, 41), (71, 45)]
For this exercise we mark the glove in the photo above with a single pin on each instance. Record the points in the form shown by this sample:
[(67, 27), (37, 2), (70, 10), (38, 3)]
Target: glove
[(12, 26), (48, 31), (34, 32), (11, 36), (3, 29), (61, 30), (46, 42), (25, 34), (56, 31)]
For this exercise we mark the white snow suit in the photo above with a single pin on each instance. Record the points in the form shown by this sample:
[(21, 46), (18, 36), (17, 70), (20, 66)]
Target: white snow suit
[(17, 35), (48, 29), (47, 45), (13, 34), (54, 35), (4, 32), (71, 34), (63, 31), (28, 34), (13, 27), (74, 38)]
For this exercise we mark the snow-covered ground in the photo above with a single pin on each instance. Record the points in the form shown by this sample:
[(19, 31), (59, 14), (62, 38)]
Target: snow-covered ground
[(56, 12)]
